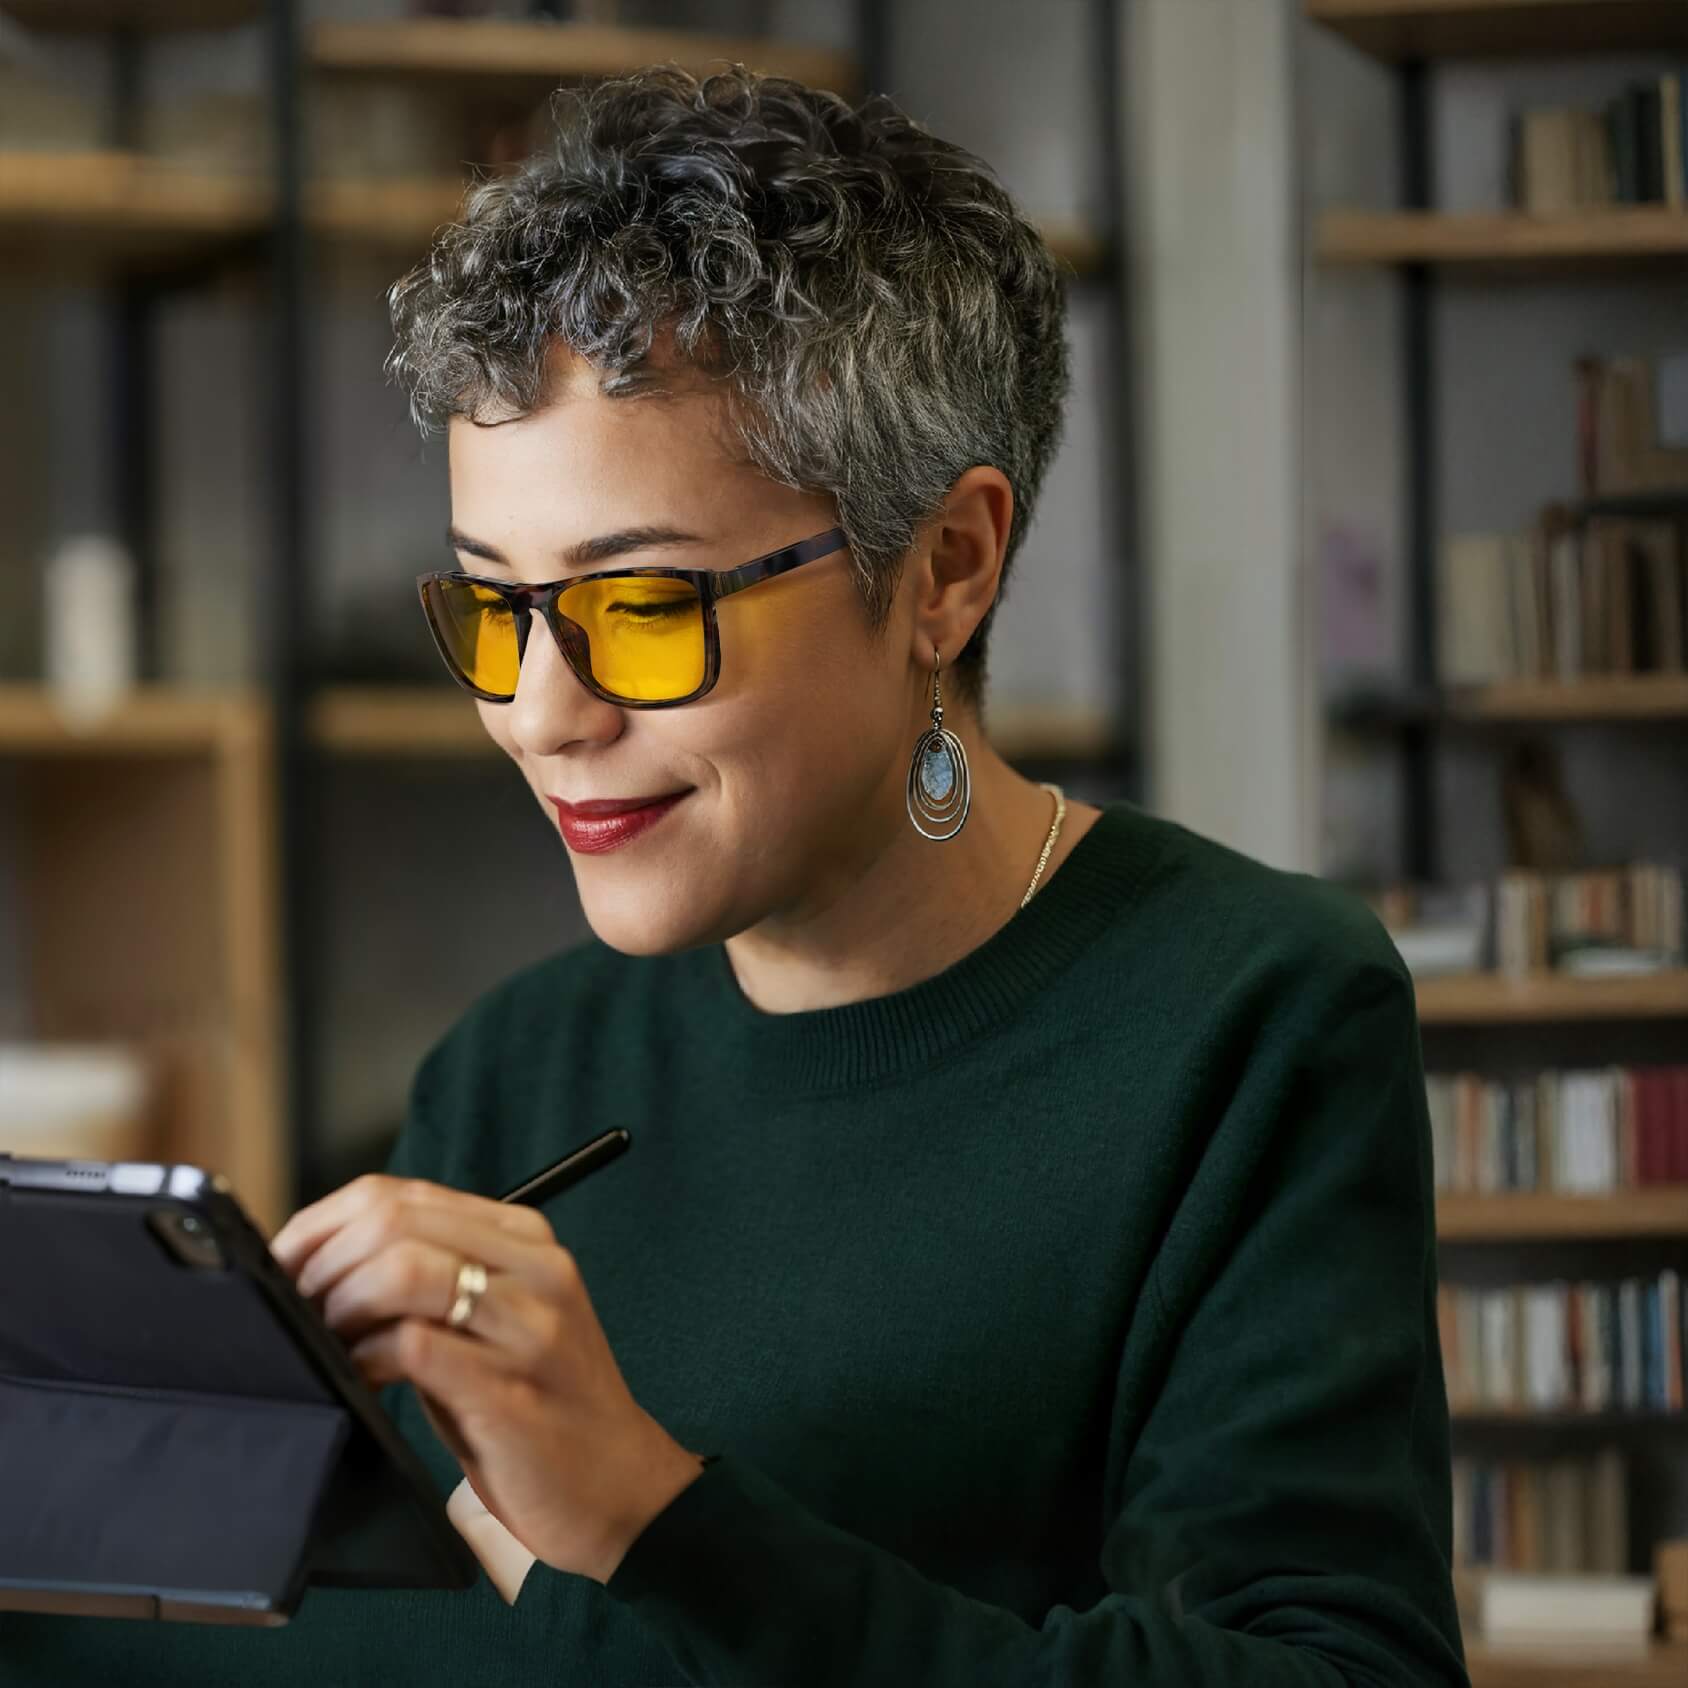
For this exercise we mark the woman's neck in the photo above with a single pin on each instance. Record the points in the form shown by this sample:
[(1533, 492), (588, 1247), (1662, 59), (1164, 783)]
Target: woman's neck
[(896, 908)]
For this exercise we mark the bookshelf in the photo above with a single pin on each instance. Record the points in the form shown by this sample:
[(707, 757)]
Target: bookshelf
[(1492, 999), (98, 210), (1537, 1235), (495, 52), (173, 793), (1606, 697), (1651, 1211), (1508, 243)]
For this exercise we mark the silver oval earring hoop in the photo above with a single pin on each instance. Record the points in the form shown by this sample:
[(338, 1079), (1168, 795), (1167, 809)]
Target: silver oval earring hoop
[(940, 791)]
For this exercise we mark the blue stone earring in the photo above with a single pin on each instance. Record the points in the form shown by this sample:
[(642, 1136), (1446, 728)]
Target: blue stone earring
[(939, 788)]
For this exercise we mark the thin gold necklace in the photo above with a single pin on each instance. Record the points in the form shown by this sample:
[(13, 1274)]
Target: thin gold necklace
[(1049, 842)]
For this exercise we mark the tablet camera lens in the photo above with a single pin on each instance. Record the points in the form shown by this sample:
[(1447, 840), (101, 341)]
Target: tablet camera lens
[(188, 1238)]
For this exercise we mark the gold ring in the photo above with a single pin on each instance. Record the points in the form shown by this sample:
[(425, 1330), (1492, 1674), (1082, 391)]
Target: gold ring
[(471, 1286)]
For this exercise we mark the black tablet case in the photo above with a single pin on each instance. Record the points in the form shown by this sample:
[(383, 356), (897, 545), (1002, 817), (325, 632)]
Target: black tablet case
[(166, 1450)]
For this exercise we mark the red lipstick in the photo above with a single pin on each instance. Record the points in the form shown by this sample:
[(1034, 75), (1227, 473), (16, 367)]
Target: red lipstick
[(607, 823)]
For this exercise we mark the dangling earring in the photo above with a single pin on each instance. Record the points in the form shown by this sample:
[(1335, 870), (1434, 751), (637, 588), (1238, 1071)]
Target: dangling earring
[(939, 788)]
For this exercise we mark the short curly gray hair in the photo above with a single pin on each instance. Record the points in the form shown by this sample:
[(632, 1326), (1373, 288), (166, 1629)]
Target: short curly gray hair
[(884, 315)]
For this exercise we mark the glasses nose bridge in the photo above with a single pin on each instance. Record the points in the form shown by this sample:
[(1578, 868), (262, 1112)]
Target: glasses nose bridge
[(567, 635)]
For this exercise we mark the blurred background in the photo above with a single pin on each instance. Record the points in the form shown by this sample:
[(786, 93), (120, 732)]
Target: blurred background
[(1362, 553)]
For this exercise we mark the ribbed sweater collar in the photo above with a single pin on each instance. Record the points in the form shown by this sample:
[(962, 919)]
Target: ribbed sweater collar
[(904, 1031)]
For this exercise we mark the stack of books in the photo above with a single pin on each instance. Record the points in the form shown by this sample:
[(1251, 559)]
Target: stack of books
[(1628, 152), (1564, 1347), (1565, 601), (1632, 425), (1555, 1514), (1608, 920), (1579, 1618), (1579, 1132)]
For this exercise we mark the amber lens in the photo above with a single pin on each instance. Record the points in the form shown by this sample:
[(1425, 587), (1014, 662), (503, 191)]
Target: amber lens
[(644, 634), (477, 633)]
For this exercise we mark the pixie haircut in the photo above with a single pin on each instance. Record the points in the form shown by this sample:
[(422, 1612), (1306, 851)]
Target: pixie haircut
[(878, 312)]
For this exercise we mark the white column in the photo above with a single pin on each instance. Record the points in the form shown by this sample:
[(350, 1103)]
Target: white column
[(1216, 270)]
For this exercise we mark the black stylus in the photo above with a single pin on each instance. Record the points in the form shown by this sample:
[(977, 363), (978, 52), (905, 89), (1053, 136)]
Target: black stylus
[(571, 1168)]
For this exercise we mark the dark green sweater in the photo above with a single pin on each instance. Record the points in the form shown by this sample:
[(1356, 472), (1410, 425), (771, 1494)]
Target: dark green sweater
[(1066, 1318)]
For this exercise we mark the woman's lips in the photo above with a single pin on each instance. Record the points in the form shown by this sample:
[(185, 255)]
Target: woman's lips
[(607, 823)]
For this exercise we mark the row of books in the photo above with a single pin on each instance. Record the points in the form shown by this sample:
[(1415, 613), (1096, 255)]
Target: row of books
[(1632, 424), (1566, 599), (1601, 921), (1580, 1132), (1628, 152), (1564, 920), (1564, 1347), (1568, 1513)]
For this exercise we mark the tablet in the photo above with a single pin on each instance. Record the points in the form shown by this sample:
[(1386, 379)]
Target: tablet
[(181, 1436)]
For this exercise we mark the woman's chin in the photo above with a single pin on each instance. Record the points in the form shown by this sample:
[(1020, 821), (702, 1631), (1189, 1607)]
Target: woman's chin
[(636, 928)]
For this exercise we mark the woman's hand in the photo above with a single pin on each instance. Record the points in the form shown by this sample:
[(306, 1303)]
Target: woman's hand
[(527, 1395)]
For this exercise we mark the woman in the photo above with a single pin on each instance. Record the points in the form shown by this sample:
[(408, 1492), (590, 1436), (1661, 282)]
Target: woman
[(1024, 1269)]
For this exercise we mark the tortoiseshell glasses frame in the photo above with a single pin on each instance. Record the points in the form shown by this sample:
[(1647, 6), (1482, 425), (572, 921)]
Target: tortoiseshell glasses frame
[(550, 598)]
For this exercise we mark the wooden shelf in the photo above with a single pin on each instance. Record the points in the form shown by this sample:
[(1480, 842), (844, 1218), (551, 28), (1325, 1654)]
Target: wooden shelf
[(1409, 29), (1612, 1420), (490, 51), (1652, 1211), (397, 721), (382, 213), (1476, 999), (434, 721), (150, 15), (1596, 697), (151, 721), (1503, 242), (61, 209), (1663, 1665)]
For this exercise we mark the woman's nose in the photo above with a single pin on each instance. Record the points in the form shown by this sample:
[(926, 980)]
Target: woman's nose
[(552, 707)]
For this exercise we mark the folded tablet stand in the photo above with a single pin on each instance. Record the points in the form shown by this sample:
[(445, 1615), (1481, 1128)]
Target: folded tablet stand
[(117, 1494), (167, 1448)]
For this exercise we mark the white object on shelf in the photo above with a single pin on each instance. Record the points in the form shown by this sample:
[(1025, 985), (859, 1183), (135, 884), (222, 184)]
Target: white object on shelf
[(91, 644), (1611, 960), (1527, 1606), (1433, 949), (75, 1101)]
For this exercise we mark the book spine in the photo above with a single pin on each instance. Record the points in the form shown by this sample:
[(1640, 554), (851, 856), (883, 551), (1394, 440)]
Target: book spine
[(1650, 161), (1670, 139), (1626, 146)]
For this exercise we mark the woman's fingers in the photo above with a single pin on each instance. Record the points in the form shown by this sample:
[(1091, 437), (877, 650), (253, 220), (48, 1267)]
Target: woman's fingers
[(510, 1239), (417, 1279), (312, 1226)]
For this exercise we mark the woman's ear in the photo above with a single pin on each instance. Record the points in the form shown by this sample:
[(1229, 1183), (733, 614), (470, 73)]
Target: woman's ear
[(961, 562)]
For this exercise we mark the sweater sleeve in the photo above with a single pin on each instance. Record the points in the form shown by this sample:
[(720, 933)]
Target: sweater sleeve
[(1281, 1519)]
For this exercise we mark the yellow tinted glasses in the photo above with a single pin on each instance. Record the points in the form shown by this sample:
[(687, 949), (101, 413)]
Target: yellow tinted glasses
[(645, 638)]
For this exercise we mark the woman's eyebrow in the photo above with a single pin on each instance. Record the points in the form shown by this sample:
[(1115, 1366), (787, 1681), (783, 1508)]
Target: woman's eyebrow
[(585, 552)]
